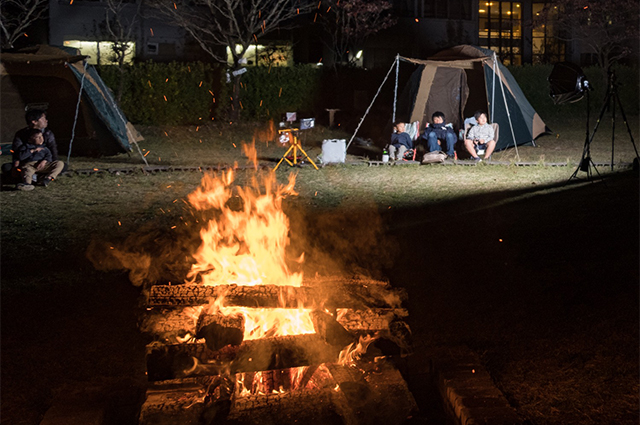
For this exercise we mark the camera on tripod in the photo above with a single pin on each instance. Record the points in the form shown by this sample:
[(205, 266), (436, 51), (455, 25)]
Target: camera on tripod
[(569, 84)]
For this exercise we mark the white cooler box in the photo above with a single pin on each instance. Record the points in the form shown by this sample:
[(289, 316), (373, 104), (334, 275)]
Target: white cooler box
[(334, 150)]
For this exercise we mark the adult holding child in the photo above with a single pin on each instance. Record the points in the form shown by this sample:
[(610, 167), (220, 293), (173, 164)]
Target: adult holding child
[(480, 137), (35, 158), (36, 119)]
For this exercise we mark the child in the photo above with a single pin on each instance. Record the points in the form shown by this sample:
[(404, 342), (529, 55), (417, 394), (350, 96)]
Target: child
[(35, 158), (480, 137), (436, 131), (400, 142)]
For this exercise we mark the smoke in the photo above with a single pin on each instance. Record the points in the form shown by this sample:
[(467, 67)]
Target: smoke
[(157, 252), (347, 241)]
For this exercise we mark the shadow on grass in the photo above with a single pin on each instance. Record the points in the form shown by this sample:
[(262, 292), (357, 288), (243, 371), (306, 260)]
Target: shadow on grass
[(541, 282)]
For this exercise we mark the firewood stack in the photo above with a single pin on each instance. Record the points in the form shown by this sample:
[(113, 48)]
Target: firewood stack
[(202, 371)]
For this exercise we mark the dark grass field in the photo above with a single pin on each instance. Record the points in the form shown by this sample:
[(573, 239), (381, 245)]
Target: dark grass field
[(538, 277)]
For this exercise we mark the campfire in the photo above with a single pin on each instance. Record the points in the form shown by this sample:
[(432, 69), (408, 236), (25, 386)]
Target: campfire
[(247, 340)]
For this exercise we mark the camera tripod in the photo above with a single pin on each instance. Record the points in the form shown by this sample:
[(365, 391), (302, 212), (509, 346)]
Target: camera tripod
[(611, 97)]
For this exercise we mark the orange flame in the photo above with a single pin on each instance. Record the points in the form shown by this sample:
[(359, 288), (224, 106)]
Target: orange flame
[(354, 351), (246, 245)]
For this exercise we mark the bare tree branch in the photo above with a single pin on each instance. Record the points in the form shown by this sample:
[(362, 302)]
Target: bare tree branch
[(348, 23), (608, 28), (16, 16), (236, 24), (217, 24)]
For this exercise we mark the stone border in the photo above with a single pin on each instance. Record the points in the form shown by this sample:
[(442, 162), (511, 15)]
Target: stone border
[(467, 390)]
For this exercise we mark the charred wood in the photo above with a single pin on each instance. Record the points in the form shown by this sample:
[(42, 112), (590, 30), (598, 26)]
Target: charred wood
[(332, 331), (373, 319), (197, 359), (249, 296)]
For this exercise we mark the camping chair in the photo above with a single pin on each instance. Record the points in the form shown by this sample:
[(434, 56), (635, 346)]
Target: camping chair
[(468, 125), (439, 141), (413, 129), (495, 126)]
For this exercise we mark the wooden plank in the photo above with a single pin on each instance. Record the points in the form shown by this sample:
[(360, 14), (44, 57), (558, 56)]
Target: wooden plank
[(332, 293), (196, 359)]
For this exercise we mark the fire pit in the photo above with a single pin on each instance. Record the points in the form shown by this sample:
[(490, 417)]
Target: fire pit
[(245, 340), (341, 370)]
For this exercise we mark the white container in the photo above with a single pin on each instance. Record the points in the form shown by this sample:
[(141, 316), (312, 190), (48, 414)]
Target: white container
[(334, 151), (385, 157)]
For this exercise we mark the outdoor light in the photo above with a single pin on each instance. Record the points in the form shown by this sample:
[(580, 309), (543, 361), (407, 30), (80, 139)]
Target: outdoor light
[(568, 83), (359, 54)]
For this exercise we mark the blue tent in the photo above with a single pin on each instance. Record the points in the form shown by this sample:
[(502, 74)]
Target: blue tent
[(53, 78)]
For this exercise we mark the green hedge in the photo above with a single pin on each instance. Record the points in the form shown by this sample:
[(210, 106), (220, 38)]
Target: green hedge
[(181, 93), (168, 93), (267, 93), (532, 79)]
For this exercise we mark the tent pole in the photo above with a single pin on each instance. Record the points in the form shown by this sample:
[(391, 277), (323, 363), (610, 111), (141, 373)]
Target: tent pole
[(75, 120), (493, 87), (395, 91), (371, 104), (504, 98)]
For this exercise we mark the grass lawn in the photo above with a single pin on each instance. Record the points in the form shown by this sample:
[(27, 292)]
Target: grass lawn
[(539, 277)]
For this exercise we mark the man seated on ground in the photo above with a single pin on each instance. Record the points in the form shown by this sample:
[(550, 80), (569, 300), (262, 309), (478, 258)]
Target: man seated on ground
[(439, 130), (480, 138), (400, 142), (35, 158), (36, 118)]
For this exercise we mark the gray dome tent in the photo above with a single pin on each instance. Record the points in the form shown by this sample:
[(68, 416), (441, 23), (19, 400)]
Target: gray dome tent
[(463, 79)]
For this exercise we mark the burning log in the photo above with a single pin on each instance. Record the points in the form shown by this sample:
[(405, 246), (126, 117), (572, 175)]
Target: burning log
[(171, 321), (250, 296), (332, 331), (375, 394), (374, 319), (311, 407), (336, 293), (183, 401), (179, 360)]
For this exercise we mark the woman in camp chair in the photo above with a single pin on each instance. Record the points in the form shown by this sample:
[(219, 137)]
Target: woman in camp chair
[(480, 137)]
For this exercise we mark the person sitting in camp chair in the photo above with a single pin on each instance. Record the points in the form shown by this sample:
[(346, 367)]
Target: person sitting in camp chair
[(35, 158), (36, 119), (400, 142), (440, 136), (481, 137)]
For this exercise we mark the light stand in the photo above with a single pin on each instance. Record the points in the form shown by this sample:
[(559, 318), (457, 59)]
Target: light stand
[(611, 95), (292, 135), (585, 161)]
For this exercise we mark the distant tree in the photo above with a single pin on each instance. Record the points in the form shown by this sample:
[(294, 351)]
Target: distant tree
[(348, 23), (609, 28), (16, 16), (236, 24), (122, 18)]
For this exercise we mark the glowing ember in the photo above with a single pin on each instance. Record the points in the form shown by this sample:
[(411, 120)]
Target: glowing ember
[(280, 381)]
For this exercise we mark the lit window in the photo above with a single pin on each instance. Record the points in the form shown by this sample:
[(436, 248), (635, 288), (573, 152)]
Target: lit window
[(264, 55), (102, 51)]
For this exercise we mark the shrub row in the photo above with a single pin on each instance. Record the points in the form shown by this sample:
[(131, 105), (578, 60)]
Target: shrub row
[(166, 93), (192, 93)]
